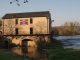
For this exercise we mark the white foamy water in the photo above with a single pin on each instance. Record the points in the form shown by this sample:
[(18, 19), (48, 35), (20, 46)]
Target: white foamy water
[(70, 41)]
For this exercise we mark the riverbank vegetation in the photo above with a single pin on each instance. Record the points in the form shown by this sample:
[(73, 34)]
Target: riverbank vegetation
[(8, 55), (67, 29), (54, 44), (63, 54), (57, 52)]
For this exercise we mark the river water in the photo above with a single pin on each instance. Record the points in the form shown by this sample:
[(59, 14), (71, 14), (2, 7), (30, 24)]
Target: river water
[(70, 41), (31, 52)]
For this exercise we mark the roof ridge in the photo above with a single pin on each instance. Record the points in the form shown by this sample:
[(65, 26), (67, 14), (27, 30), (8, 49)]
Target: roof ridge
[(27, 12)]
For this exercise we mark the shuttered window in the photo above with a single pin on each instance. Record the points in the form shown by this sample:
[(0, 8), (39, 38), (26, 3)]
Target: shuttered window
[(16, 31), (16, 21), (31, 30), (31, 20)]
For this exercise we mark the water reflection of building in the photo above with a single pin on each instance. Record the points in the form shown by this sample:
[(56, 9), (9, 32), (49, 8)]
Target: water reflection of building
[(31, 52), (32, 26)]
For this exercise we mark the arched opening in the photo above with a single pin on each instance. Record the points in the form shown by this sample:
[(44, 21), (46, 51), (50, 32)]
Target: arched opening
[(25, 42), (6, 44), (25, 45)]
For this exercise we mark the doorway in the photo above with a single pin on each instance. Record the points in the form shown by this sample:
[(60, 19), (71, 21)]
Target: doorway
[(6, 44)]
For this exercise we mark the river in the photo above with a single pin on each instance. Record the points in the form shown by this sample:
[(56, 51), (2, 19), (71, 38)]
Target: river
[(70, 41), (31, 52)]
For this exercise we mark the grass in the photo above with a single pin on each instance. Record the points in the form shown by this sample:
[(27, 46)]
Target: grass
[(57, 52), (63, 54), (8, 56), (54, 44)]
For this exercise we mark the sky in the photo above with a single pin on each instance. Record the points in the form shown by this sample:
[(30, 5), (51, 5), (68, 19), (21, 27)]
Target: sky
[(61, 10)]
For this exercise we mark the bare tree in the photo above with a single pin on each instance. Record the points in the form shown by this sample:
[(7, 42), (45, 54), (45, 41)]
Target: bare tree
[(17, 2), (55, 31), (70, 28), (9, 27), (40, 27)]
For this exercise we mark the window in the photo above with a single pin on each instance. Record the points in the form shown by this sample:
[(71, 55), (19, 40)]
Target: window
[(16, 21), (16, 31), (31, 30), (31, 20)]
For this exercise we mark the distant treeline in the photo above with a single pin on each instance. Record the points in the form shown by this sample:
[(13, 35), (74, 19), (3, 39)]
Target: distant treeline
[(68, 28)]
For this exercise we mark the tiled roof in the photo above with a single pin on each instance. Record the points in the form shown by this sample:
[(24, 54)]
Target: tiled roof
[(26, 14)]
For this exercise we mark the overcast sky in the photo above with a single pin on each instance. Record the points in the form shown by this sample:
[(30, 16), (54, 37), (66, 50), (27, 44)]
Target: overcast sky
[(61, 10)]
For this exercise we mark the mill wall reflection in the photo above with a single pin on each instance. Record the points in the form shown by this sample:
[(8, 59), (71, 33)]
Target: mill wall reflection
[(31, 52)]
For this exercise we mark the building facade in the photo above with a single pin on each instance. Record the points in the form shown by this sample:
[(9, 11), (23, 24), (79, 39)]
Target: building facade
[(28, 26)]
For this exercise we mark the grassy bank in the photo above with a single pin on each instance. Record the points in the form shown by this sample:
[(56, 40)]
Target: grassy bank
[(55, 44), (57, 52), (63, 54), (8, 56)]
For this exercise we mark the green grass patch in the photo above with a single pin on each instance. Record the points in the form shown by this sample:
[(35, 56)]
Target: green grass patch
[(8, 56), (54, 44), (63, 54), (57, 52)]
